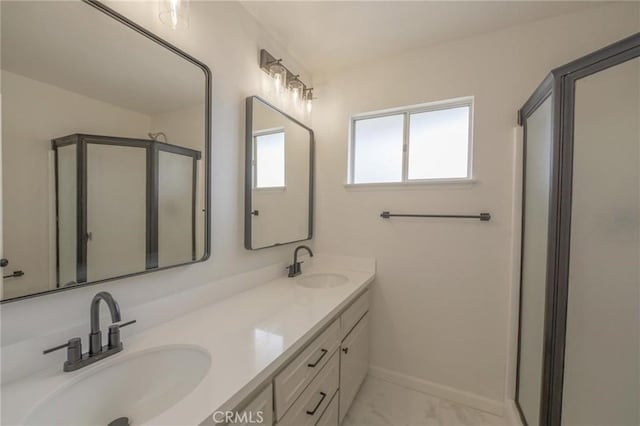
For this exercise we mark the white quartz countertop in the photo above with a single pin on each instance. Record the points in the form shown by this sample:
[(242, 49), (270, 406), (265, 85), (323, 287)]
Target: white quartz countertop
[(248, 336)]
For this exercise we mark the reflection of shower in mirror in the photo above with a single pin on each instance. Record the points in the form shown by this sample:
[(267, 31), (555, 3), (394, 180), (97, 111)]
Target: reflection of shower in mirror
[(157, 136)]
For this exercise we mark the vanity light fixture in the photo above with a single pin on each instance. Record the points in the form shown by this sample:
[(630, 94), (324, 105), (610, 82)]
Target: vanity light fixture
[(279, 74), (307, 98), (296, 87), (285, 79), (174, 13)]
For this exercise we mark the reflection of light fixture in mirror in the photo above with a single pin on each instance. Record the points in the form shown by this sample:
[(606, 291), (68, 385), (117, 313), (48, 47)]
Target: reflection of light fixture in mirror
[(296, 88), (279, 74), (308, 97), (174, 13)]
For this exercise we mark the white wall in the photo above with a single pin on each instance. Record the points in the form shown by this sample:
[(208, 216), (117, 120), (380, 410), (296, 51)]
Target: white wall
[(228, 40), (441, 296), (33, 114)]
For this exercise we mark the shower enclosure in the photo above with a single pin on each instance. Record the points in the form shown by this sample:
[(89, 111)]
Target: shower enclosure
[(579, 328), (122, 206)]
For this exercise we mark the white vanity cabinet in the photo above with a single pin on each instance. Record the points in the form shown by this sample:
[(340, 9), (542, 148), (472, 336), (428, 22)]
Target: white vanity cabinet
[(354, 363), (317, 386)]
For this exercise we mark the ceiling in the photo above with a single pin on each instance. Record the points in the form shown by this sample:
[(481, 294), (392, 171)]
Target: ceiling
[(325, 36), (74, 46)]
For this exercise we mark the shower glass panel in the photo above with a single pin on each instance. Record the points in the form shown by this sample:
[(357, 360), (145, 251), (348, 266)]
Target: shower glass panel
[(116, 210), (176, 209), (67, 214), (538, 139), (602, 352)]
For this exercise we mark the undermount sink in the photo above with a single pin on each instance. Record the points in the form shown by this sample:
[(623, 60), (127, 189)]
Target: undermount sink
[(322, 280), (138, 387)]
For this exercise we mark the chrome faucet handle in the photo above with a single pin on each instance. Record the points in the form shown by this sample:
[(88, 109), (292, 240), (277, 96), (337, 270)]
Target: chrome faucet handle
[(114, 334), (124, 324), (290, 266), (74, 349)]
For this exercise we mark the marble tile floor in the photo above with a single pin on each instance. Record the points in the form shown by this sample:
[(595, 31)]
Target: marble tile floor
[(380, 403)]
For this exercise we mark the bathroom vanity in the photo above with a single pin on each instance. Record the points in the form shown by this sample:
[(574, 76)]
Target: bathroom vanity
[(318, 385), (293, 349)]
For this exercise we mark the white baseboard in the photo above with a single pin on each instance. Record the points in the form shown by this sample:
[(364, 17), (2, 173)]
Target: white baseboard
[(511, 414), (441, 391)]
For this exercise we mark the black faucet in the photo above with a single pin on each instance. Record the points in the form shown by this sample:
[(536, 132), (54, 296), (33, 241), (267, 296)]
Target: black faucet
[(75, 358), (95, 338), (295, 269)]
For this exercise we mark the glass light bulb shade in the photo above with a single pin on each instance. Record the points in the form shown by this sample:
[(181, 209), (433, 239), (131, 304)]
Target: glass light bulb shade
[(296, 87), (279, 74), (174, 13), (307, 97)]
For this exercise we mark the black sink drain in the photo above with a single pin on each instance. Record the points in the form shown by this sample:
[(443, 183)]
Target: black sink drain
[(120, 421)]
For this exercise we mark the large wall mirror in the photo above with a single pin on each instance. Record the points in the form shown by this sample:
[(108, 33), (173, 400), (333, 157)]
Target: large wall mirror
[(278, 178), (105, 148)]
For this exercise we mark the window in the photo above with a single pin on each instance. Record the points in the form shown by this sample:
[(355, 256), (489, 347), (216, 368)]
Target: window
[(412, 144), (269, 161)]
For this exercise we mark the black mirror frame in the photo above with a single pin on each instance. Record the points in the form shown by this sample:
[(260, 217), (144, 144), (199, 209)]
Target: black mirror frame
[(248, 176), (207, 149)]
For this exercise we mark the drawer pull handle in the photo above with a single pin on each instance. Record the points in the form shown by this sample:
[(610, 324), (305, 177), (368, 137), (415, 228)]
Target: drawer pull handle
[(322, 397), (345, 350), (313, 364)]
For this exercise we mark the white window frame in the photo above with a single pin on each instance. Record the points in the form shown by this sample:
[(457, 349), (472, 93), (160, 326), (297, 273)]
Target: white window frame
[(406, 111), (254, 162)]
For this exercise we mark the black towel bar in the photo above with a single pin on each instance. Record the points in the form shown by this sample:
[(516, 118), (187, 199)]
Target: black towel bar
[(485, 217)]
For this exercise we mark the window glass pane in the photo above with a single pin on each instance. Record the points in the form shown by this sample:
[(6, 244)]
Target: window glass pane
[(378, 149), (439, 144), (270, 160)]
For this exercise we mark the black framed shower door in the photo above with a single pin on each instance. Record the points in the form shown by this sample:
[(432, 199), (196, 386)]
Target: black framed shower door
[(559, 89)]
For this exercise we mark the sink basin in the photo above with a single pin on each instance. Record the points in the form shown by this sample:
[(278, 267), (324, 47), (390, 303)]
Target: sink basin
[(322, 280), (138, 387)]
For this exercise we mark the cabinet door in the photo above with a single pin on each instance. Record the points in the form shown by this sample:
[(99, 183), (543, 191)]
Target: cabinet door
[(353, 313), (354, 363)]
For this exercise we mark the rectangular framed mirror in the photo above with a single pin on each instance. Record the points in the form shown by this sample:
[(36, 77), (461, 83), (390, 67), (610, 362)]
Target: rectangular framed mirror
[(105, 149), (278, 177)]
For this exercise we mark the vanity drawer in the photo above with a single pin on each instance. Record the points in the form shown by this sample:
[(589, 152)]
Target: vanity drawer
[(315, 399), (295, 377), (353, 313), (330, 415)]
